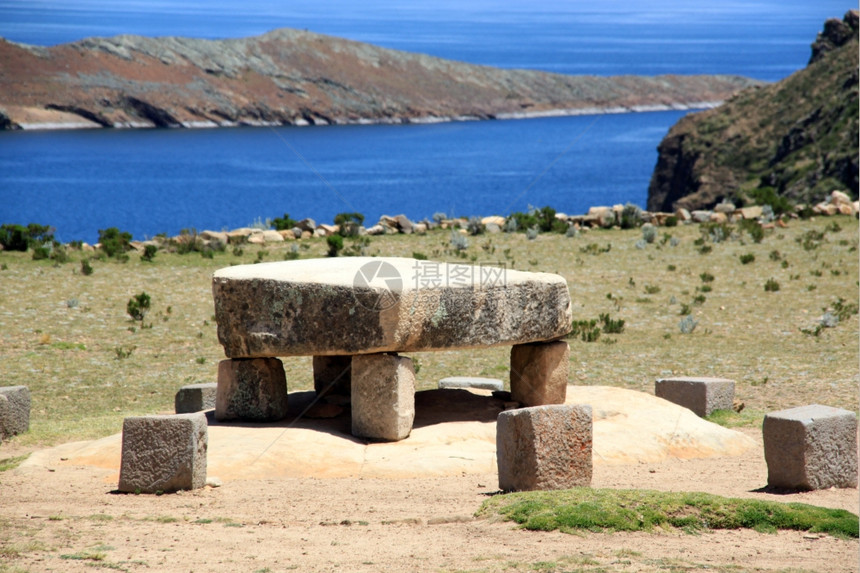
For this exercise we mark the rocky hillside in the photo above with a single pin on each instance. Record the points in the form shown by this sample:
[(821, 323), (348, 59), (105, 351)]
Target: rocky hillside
[(294, 77), (797, 138)]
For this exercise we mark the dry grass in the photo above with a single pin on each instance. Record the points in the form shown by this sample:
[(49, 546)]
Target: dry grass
[(61, 333)]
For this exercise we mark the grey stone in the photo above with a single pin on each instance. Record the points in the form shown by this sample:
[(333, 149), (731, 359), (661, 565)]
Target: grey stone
[(195, 398), (539, 372), (332, 375), (811, 447), (253, 390), (702, 395), (701, 216), (471, 382), (307, 225), (163, 453), (544, 447), (366, 305), (383, 396), (14, 410)]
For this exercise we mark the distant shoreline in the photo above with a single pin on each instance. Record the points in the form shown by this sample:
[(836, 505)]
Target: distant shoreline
[(418, 120)]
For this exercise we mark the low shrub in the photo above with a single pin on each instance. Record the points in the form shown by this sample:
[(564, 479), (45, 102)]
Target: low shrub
[(114, 242)]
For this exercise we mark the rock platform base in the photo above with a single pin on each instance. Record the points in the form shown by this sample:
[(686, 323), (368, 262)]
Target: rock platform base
[(454, 434)]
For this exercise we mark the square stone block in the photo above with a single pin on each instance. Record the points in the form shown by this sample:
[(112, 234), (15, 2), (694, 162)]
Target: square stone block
[(544, 447), (383, 396), (471, 382), (163, 453), (539, 372), (332, 375), (811, 447), (702, 395), (14, 410), (195, 398), (251, 390)]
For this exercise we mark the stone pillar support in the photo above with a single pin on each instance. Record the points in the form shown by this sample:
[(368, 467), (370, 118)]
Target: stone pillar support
[(539, 372), (383, 396), (251, 390), (332, 375)]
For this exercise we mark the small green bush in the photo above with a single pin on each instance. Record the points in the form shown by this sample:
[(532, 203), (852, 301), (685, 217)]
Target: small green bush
[(747, 258), (771, 285), (114, 242), (335, 245), (138, 306), (86, 267), (349, 223), (148, 253), (285, 223), (706, 277)]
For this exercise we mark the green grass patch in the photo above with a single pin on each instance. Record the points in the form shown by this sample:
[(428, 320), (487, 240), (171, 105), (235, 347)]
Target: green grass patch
[(12, 463), (731, 419), (600, 510)]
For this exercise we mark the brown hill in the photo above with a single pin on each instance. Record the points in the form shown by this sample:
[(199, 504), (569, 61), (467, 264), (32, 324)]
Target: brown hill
[(294, 77), (795, 140)]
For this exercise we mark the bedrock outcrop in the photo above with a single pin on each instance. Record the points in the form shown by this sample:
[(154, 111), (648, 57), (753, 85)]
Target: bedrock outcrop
[(297, 77)]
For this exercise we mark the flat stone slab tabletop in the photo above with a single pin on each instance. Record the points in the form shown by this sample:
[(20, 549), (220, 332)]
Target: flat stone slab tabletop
[(365, 305)]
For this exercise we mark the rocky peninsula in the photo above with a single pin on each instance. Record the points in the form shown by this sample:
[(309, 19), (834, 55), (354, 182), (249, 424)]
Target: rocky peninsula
[(292, 77)]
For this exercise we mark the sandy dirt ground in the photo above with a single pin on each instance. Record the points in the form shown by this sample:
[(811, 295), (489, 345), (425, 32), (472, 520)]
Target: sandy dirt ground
[(59, 516)]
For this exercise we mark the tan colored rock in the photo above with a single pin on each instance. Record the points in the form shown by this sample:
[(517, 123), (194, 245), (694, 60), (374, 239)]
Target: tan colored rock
[(257, 239), (846, 209), (544, 448), (493, 219), (253, 390), (328, 230), (840, 198), (239, 235), (826, 209), (288, 234), (163, 453), (751, 212), (366, 305), (420, 229), (383, 396), (272, 236), (306, 235), (602, 216), (376, 230), (539, 372), (215, 236), (683, 215), (717, 217)]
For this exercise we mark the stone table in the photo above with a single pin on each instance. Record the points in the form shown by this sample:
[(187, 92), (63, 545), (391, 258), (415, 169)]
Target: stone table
[(355, 315)]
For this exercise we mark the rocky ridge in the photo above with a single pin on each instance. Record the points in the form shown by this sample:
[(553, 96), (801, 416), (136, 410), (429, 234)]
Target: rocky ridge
[(797, 139), (292, 77)]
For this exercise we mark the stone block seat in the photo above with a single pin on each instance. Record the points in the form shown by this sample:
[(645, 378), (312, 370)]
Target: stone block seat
[(337, 309)]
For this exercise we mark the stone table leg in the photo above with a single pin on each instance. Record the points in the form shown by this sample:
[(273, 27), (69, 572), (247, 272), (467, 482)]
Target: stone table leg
[(539, 372), (332, 375), (251, 389), (383, 396)]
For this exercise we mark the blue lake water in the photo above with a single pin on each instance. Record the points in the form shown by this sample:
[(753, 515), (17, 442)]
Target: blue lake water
[(152, 181)]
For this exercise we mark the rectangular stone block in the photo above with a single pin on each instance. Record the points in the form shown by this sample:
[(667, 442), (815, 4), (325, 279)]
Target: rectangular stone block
[(383, 396), (14, 411), (811, 447), (369, 305), (471, 382), (195, 398), (539, 373), (163, 453), (251, 390), (544, 447), (332, 375), (702, 395)]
